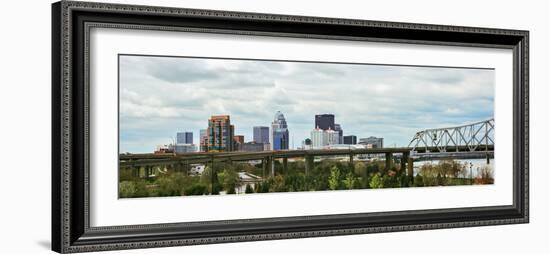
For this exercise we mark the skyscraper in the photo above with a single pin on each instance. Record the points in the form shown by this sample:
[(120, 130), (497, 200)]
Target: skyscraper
[(324, 121), (220, 134), (279, 132), (338, 128), (261, 134), (318, 138), (184, 137), (332, 137)]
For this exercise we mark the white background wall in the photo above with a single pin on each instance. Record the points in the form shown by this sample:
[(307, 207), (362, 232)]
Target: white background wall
[(25, 125)]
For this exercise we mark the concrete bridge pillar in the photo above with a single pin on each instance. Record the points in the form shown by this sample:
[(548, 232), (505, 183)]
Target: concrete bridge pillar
[(410, 166), (270, 165), (135, 171), (351, 165), (264, 167), (389, 159), (141, 172), (403, 163), (148, 171)]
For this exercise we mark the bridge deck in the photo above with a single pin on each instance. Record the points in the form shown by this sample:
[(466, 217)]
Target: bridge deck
[(202, 157)]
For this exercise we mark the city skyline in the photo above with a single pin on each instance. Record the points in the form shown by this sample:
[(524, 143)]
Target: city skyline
[(367, 100)]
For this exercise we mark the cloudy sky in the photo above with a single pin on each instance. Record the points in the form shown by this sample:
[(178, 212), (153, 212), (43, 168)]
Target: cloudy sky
[(160, 96)]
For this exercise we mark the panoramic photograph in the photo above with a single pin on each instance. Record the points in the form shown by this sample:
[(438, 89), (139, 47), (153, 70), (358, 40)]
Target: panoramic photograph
[(193, 126)]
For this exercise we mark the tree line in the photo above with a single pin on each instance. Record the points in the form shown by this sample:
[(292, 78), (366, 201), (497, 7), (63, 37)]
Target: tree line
[(325, 175)]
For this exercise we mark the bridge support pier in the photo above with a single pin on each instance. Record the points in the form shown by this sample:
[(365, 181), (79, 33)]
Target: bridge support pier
[(309, 163), (148, 171), (135, 171), (410, 166), (351, 165), (389, 159), (270, 165), (404, 160), (264, 167)]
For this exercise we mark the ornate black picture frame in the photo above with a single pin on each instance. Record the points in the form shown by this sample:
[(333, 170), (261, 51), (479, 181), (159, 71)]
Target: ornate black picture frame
[(71, 231)]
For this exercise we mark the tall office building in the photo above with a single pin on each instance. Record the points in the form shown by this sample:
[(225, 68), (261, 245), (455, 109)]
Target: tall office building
[(184, 138), (220, 134), (350, 140), (261, 134), (338, 128), (279, 132), (333, 137), (324, 121), (318, 138)]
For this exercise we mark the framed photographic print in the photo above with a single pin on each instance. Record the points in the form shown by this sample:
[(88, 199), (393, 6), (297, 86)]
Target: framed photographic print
[(182, 126)]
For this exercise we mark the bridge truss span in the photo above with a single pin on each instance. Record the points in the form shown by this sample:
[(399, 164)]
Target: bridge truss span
[(473, 137)]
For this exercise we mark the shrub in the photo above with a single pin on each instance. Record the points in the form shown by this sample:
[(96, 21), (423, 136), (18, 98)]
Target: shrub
[(376, 182), (418, 181), (126, 189), (196, 189), (334, 178)]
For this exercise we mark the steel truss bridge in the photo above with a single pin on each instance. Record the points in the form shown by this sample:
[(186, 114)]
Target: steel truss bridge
[(475, 140), (469, 141)]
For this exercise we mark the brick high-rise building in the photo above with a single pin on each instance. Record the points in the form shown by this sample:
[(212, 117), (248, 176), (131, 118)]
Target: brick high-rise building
[(220, 134)]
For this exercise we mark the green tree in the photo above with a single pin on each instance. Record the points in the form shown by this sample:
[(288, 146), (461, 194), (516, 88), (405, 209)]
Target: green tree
[(166, 186), (360, 169), (196, 189), (216, 188), (418, 181), (278, 184), (230, 191), (248, 189), (207, 178), (334, 178), (141, 189), (263, 187), (376, 182), (439, 180), (390, 182), (230, 180), (350, 181), (127, 189)]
